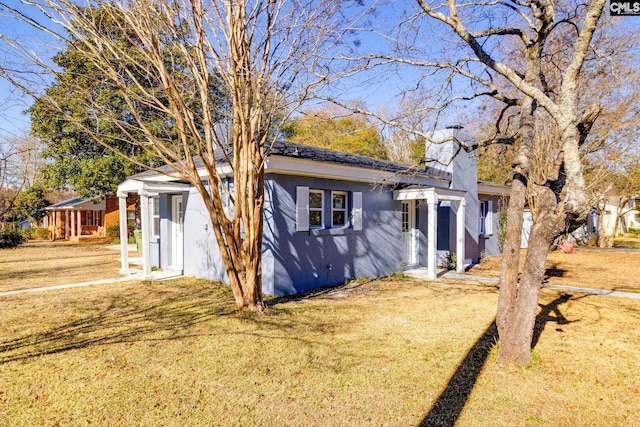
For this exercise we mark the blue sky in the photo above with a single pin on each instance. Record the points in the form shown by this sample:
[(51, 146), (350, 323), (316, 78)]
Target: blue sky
[(12, 100), (376, 90)]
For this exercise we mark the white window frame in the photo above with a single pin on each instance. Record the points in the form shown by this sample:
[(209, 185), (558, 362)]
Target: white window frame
[(154, 211), (93, 217), (320, 209), (486, 218), (97, 218), (353, 201), (344, 209)]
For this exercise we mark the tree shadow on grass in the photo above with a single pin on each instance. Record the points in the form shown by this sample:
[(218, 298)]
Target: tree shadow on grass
[(551, 313), (449, 405), (554, 271), (152, 316)]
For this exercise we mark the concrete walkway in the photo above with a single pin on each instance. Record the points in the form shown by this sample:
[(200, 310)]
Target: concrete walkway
[(453, 275), (418, 273), (155, 275)]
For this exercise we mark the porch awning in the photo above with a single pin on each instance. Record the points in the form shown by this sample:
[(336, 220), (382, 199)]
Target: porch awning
[(432, 194), (146, 189), (150, 188)]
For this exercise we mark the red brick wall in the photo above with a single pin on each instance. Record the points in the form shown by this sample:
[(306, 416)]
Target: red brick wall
[(111, 215)]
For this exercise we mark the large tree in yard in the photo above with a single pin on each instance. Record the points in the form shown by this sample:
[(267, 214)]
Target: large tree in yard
[(265, 55), (610, 154), (560, 196), (499, 54)]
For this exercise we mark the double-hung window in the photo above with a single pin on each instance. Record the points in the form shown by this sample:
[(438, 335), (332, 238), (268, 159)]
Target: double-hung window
[(486, 218), (131, 216), (316, 204), (155, 216), (338, 209), (342, 210), (94, 218)]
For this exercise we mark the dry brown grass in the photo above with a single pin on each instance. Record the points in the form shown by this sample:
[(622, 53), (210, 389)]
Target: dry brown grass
[(388, 352), (44, 264), (586, 268), (628, 241)]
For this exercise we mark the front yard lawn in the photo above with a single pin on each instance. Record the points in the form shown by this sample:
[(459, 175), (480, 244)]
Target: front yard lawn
[(43, 264), (586, 268), (386, 352)]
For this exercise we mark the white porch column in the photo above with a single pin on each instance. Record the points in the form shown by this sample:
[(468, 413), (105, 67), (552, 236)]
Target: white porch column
[(460, 236), (124, 249), (144, 213), (73, 223), (79, 223), (432, 235), (66, 224)]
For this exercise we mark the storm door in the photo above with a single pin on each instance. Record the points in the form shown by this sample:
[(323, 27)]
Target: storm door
[(177, 231), (409, 250)]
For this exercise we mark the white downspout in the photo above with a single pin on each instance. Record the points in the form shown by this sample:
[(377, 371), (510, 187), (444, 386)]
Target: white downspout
[(460, 236), (432, 233)]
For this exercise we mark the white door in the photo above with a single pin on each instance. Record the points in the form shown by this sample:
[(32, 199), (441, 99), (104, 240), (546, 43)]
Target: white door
[(177, 225), (408, 233)]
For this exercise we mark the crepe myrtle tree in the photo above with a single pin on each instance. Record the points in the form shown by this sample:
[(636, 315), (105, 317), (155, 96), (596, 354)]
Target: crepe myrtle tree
[(266, 56)]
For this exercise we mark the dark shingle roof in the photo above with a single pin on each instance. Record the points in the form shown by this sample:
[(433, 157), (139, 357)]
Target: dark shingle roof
[(290, 149), (307, 152)]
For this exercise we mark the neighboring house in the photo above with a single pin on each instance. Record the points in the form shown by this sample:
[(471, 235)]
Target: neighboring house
[(84, 218), (329, 217), (612, 217), (616, 219)]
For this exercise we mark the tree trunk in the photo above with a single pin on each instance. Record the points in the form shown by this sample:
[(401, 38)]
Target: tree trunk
[(607, 241), (517, 200), (517, 332), (253, 287), (241, 257), (511, 252)]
